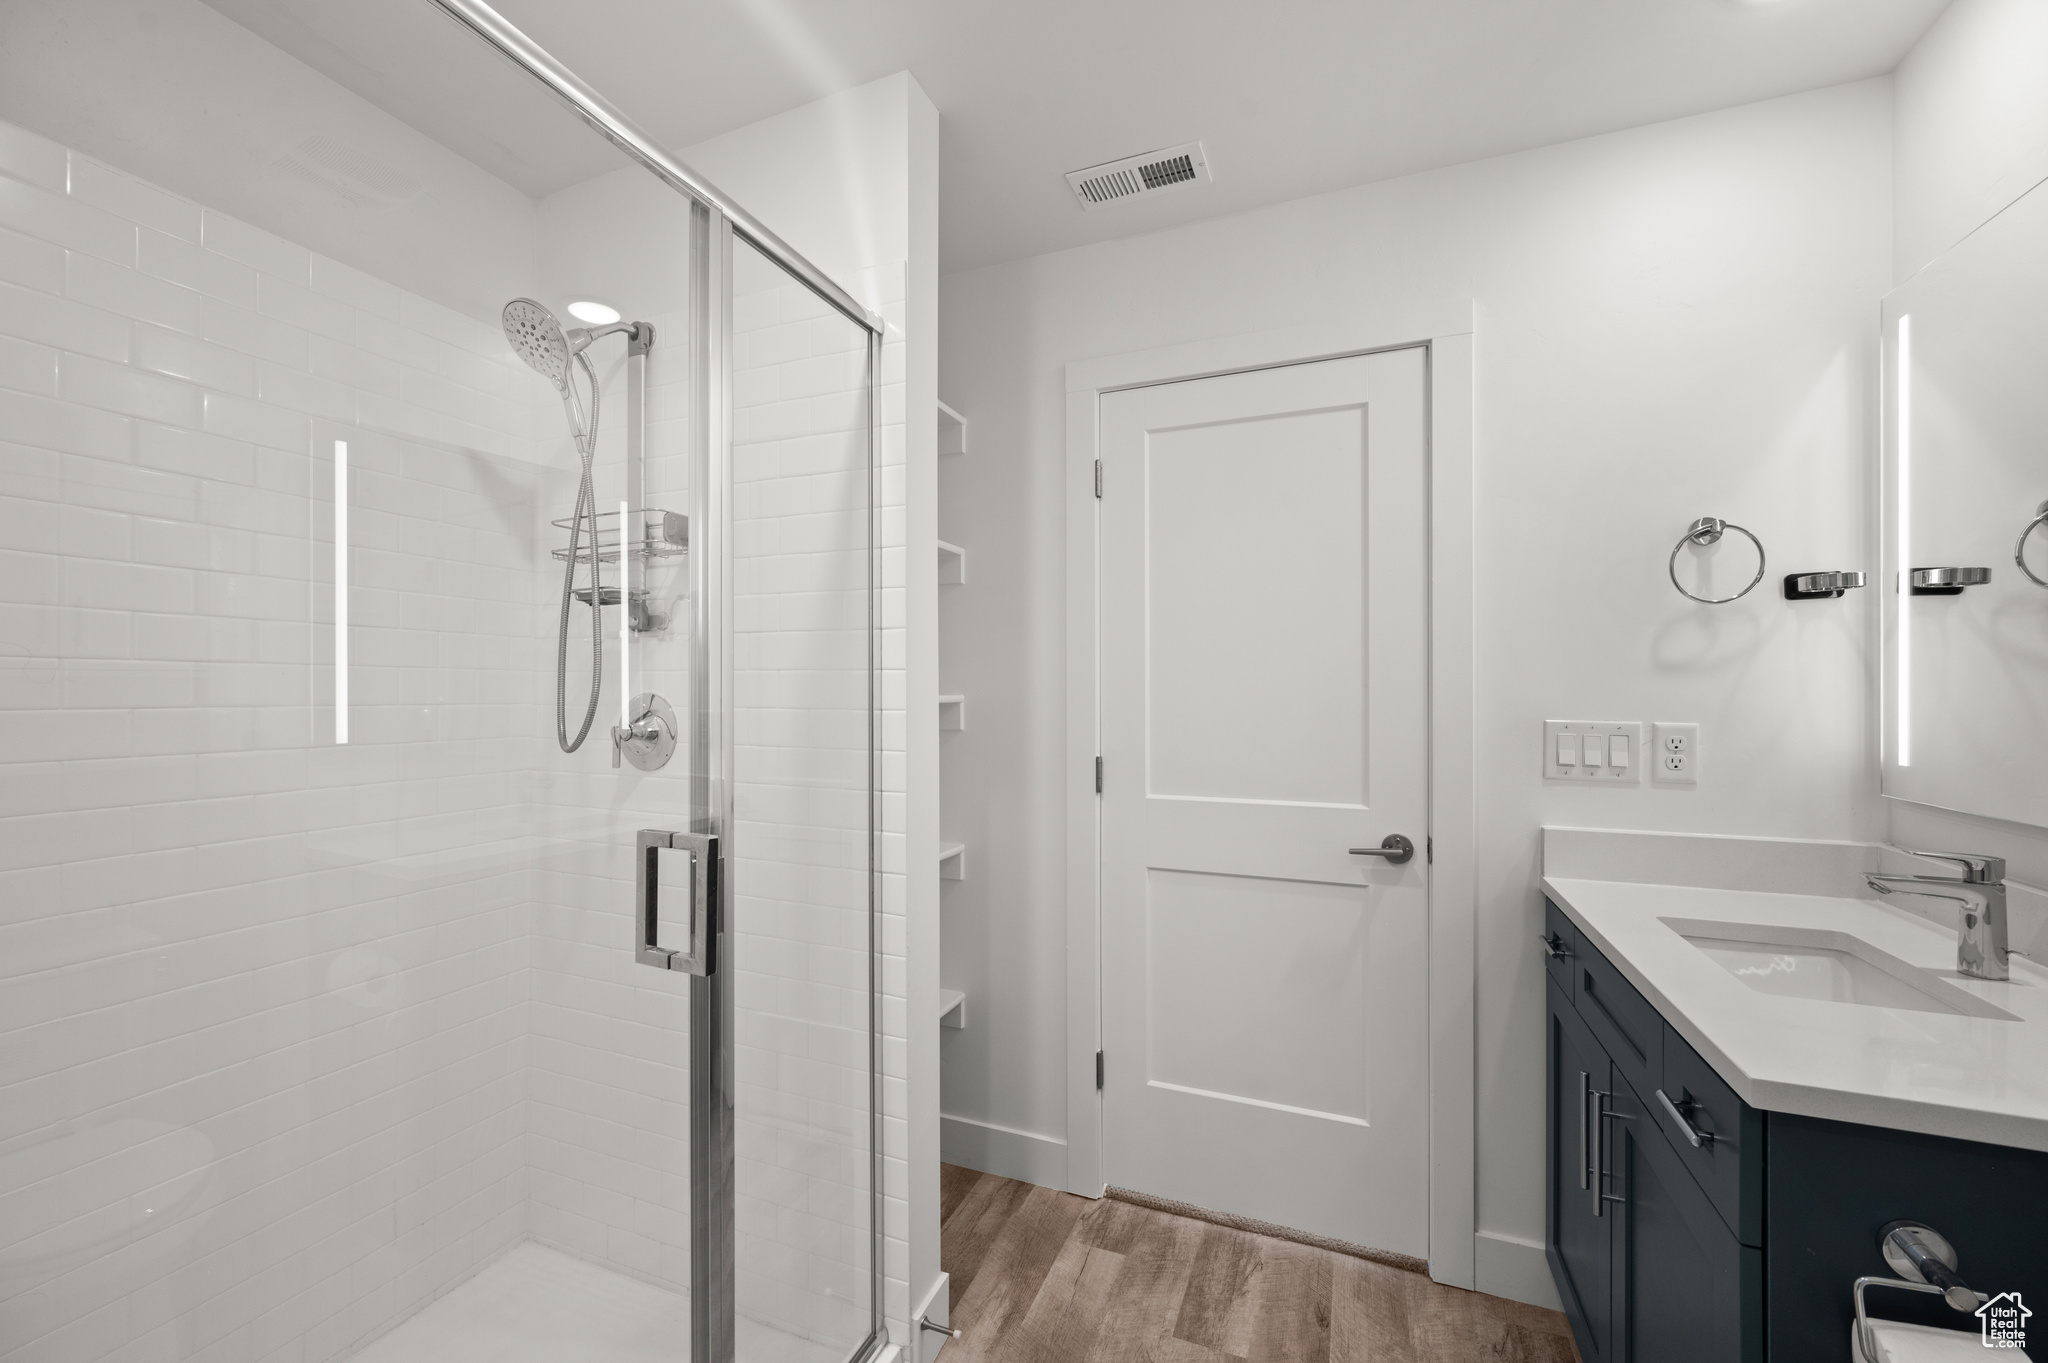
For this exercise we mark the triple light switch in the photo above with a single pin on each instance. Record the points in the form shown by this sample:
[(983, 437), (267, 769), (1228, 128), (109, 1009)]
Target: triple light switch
[(1613, 753)]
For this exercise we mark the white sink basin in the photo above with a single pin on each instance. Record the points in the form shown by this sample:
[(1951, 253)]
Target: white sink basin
[(1834, 967)]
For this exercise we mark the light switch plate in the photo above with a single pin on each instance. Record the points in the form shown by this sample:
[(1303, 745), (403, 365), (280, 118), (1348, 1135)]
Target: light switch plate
[(1675, 755), (1600, 772)]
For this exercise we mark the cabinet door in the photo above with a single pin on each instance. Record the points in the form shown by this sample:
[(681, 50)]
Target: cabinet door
[(1679, 1272), (1577, 1239)]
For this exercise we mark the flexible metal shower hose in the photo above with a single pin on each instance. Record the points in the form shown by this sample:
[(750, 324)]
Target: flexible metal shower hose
[(586, 509)]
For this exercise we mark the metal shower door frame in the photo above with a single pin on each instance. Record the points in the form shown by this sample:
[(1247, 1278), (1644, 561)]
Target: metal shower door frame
[(715, 221)]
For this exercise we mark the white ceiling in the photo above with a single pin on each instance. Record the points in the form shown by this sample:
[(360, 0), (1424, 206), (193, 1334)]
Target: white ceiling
[(1292, 97)]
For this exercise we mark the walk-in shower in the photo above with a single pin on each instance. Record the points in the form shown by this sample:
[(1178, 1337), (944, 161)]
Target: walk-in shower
[(352, 1005), (540, 340)]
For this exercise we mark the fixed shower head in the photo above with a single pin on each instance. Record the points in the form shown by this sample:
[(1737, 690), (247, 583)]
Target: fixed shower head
[(539, 340)]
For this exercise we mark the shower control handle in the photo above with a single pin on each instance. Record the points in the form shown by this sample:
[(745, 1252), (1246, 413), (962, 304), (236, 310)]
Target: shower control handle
[(650, 740), (693, 866), (646, 729)]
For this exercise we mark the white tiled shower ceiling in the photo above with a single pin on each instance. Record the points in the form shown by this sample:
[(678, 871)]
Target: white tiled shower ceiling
[(295, 1037)]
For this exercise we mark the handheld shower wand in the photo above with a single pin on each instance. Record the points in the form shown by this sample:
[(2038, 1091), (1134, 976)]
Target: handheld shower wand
[(541, 341)]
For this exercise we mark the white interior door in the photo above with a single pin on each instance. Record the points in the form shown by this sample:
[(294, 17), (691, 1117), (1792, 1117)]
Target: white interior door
[(1264, 710)]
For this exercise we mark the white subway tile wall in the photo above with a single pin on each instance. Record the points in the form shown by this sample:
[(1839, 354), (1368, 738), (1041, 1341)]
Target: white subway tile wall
[(264, 1082), (608, 1086), (801, 766), (886, 286), (298, 1036)]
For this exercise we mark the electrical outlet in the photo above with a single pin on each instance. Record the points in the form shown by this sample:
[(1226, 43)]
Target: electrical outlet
[(1603, 752), (1676, 755)]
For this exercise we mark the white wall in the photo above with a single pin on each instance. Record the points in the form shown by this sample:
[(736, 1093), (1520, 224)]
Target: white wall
[(181, 95), (1972, 137), (831, 178), (1972, 124), (1671, 322)]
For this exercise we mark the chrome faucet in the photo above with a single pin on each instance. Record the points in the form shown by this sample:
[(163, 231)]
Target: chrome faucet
[(1981, 950)]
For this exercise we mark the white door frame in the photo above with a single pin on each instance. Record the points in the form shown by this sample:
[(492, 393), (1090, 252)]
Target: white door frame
[(1445, 328)]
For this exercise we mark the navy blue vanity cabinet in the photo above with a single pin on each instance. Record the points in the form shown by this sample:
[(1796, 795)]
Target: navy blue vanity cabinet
[(1833, 1184), (1685, 1290), (1732, 1235), (1647, 1269), (1579, 1244), (1650, 1267)]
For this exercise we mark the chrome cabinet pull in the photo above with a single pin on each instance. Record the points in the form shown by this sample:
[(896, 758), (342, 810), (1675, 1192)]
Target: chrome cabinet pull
[(1585, 1088), (1678, 1111), (698, 888), (1395, 848), (1601, 1116), (1554, 946)]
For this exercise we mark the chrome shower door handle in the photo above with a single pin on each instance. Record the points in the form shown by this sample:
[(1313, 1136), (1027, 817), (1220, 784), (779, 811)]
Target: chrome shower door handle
[(691, 877)]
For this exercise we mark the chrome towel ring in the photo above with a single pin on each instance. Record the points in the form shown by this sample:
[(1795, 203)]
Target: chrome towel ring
[(2019, 546), (1707, 530)]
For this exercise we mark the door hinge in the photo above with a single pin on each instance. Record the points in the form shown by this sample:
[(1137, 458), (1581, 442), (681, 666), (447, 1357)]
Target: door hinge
[(1098, 776), (1098, 1069), (1429, 851), (1098, 477)]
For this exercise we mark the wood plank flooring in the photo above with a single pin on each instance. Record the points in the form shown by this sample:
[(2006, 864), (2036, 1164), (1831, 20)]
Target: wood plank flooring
[(1046, 1277)]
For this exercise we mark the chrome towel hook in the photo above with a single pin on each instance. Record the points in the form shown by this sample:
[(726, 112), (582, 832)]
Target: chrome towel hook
[(1707, 530), (2019, 546)]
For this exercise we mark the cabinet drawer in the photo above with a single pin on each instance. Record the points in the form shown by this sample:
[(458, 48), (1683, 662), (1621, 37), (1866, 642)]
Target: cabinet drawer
[(1726, 1162), (1560, 946), (1685, 1290), (1630, 1029)]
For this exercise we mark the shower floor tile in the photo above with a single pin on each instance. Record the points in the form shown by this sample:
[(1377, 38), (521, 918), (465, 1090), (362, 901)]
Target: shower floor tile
[(539, 1305)]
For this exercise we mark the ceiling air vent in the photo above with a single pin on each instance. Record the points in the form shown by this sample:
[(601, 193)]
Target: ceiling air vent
[(1134, 177)]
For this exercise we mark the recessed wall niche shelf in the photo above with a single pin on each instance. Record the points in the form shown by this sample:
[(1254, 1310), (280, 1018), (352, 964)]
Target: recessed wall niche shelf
[(953, 861), (953, 713), (952, 563), (952, 1008), (952, 431), (1820, 586), (1947, 581)]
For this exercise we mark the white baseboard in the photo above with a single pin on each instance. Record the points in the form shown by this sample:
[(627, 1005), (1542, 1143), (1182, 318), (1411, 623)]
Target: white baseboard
[(1000, 1150), (1511, 1267)]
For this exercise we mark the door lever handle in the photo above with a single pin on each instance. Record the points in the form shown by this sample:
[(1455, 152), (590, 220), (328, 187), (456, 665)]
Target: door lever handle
[(1395, 848)]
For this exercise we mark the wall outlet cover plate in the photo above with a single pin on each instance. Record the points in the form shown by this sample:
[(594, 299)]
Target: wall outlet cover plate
[(1675, 754)]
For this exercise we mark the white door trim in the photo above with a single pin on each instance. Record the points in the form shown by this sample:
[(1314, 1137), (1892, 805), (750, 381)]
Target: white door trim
[(1446, 329)]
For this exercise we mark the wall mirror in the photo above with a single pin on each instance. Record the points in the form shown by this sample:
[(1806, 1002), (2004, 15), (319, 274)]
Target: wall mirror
[(1965, 473)]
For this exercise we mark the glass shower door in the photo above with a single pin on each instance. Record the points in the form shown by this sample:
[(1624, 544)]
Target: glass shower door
[(803, 800), (325, 1029)]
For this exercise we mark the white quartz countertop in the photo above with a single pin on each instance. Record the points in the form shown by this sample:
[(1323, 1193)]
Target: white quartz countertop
[(1980, 1079)]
